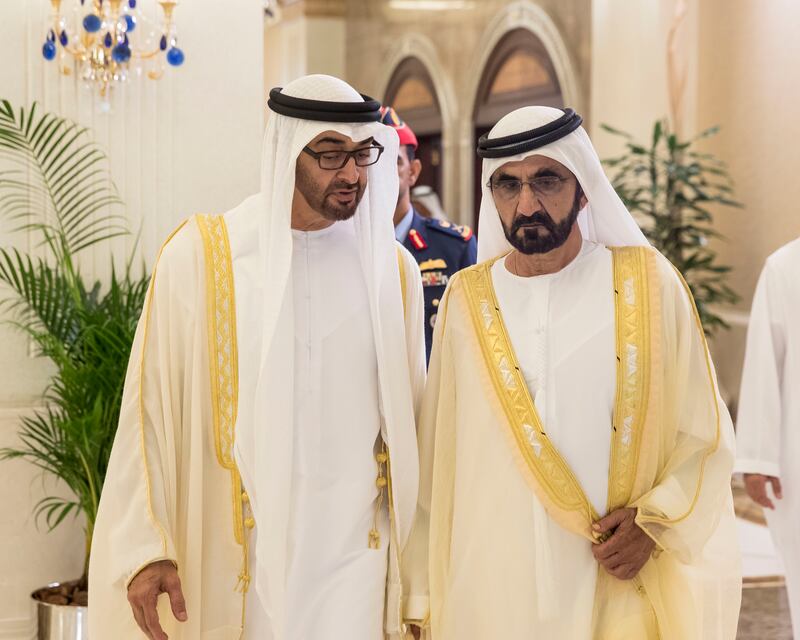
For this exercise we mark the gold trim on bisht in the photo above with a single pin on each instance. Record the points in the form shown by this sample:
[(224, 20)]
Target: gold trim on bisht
[(632, 305), (546, 470), (224, 370)]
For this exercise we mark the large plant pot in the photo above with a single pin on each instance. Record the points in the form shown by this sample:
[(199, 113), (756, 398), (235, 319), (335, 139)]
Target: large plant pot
[(59, 621)]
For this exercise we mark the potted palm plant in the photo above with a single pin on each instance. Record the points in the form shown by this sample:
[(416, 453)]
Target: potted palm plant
[(673, 189), (56, 187)]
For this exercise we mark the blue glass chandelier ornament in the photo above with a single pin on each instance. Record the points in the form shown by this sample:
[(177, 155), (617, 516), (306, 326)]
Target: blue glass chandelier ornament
[(175, 57), (49, 50), (107, 42)]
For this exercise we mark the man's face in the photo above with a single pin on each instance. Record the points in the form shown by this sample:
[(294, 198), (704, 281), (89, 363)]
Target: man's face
[(407, 170), (536, 217), (333, 193)]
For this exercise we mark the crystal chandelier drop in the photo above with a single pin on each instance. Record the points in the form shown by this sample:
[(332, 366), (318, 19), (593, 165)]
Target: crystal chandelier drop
[(104, 44)]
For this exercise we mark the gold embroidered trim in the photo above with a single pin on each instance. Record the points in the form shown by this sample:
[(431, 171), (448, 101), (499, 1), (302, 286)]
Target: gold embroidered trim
[(550, 470), (402, 266), (146, 315), (222, 350), (224, 371), (632, 308), (548, 467)]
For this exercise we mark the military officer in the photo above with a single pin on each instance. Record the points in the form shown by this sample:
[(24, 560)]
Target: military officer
[(440, 247)]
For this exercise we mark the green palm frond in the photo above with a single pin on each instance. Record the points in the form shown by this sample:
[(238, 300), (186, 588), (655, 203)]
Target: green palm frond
[(57, 182), (672, 188), (54, 182), (44, 297), (54, 509)]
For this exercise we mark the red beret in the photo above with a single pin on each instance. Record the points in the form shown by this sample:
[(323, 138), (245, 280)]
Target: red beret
[(390, 118)]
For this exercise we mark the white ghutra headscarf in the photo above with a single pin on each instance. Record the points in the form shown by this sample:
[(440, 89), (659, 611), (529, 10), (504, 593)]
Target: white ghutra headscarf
[(604, 219)]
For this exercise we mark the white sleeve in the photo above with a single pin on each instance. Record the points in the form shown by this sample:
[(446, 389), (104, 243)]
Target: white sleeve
[(758, 428), (414, 309)]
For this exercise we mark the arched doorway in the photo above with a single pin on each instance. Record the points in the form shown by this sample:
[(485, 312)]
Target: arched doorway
[(519, 73), (411, 93)]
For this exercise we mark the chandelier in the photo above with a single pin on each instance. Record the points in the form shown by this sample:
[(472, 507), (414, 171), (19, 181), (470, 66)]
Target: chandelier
[(103, 43)]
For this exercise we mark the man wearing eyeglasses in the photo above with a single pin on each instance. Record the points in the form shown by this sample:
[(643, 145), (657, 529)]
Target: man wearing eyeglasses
[(264, 473), (440, 247), (575, 455)]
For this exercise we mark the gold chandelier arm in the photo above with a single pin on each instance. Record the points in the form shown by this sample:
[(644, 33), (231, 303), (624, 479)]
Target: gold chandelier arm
[(168, 6), (146, 55)]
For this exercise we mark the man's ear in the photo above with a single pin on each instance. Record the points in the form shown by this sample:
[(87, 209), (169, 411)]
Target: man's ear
[(583, 200), (414, 171)]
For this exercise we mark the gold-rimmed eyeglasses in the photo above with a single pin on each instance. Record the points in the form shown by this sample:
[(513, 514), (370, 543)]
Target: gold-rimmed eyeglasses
[(510, 189)]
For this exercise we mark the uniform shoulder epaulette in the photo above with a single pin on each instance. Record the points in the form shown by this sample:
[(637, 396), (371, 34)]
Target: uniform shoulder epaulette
[(445, 226)]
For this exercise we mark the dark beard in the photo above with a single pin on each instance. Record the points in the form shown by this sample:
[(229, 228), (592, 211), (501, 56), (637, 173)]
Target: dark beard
[(532, 239), (324, 202)]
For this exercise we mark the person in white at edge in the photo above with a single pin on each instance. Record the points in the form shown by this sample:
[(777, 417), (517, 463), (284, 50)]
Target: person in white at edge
[(328, 321), (768, 422)]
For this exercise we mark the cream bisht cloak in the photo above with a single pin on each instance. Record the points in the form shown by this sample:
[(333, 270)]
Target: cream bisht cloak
[(203, 450), (470, 567)]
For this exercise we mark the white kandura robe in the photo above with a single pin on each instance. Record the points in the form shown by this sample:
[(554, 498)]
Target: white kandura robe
[(562, 329), (768, 425), (335, 582)]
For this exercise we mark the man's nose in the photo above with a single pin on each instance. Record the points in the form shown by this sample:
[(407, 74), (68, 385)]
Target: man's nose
[(349, 171), (528, 202)]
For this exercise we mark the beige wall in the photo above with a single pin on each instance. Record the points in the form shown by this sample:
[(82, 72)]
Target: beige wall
[(305, 38), (629, 67), (188, 143), (749, 83)]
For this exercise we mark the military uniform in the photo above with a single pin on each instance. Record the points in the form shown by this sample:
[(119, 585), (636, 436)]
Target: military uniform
[(440, 248)]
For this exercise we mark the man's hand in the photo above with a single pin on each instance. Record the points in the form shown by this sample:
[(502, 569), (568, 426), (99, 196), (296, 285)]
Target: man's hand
[(143, 591), (756, 486), (415, 631), (623, 554)]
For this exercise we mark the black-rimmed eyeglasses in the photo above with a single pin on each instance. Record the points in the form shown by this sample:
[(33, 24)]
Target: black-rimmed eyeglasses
[(333, 160)]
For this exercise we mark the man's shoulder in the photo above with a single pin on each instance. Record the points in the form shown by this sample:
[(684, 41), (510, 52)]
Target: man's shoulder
[(181, 244), (786, 257), (176, 272), (460, 278), (191, 241), (646, 251), (657, 264), (444, 228)]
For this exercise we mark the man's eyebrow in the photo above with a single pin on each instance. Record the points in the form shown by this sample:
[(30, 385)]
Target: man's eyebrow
[(330, 141), (337, 141), (505, 176), (547, 171)]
